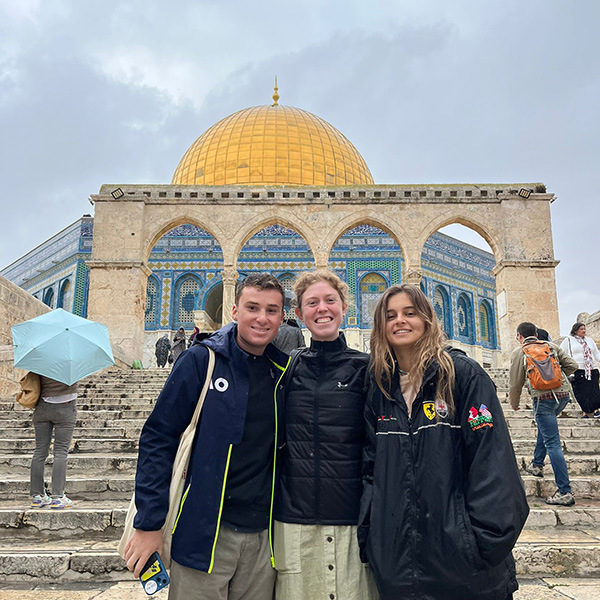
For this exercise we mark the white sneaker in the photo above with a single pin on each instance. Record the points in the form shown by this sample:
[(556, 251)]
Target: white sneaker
[(535, 470), (38, 501), (63, 502)]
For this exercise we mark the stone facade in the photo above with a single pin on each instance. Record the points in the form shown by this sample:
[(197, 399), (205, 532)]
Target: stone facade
[(126, 230), (16, 305)]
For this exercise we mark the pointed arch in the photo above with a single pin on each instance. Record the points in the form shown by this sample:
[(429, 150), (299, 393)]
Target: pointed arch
[(464, 319), (441, 305), (49, 297), (487, 330), (370, 288), (64, 295), (186, 291), (152, 308)]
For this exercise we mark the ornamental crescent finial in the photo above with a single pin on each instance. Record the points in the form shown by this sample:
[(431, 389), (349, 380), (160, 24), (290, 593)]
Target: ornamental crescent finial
[(275, 95)]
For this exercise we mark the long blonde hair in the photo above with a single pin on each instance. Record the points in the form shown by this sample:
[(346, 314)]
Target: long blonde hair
[(428, 349)]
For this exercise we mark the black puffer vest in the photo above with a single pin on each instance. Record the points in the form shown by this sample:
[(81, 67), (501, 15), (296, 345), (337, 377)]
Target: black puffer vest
[(321, 459)]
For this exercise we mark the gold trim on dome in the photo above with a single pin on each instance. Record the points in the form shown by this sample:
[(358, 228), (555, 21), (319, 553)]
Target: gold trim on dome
[(272, 145)]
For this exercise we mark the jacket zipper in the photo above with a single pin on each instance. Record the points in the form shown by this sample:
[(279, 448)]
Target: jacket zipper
[(183, 498), (283, 370), (212, 554)]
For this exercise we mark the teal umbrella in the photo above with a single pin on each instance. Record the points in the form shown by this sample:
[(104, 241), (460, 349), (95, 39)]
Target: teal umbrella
[(62, 346)]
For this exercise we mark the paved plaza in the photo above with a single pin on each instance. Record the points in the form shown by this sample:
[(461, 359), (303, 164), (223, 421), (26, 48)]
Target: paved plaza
[(531, 589)]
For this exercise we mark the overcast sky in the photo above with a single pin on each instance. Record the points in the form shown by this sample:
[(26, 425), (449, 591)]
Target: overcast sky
[(429, 91)]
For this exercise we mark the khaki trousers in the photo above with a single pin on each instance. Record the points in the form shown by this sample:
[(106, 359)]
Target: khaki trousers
[(242, 571)]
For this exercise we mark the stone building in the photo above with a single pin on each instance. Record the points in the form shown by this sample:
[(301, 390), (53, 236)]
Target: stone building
[(275, 188)]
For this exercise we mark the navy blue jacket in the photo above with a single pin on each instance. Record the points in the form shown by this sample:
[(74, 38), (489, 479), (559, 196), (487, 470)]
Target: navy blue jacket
[(220, 427)]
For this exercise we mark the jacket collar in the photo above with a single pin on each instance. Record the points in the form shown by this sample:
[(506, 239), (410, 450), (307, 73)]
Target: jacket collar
[(223, 342), (337, 345)]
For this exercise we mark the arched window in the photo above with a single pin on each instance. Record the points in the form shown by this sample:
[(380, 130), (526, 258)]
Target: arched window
[(486, 324), (464, 318), (64, 296), (372, 285), (49, 297), (441, 305), (186, 294), (287, 283), (152, 302)]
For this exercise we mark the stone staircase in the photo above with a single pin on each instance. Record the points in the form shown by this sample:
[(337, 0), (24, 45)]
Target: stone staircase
[(78, 544)]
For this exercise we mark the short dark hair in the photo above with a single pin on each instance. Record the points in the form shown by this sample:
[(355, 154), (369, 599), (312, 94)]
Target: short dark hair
[(527, 329), (576, 327), (543, 335), (260, 281)]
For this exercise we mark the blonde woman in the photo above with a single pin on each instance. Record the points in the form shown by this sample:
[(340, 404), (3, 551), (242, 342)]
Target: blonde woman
[(443, 503), (316, 549)]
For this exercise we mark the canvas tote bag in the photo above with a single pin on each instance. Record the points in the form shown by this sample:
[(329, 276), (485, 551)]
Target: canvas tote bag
[(180, 466), (30, 390)]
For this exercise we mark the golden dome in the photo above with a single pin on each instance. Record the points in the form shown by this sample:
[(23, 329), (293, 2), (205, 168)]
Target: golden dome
[(272, 145)]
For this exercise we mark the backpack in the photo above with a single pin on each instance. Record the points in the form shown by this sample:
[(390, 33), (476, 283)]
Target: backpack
[(542, 366), (30, 390)]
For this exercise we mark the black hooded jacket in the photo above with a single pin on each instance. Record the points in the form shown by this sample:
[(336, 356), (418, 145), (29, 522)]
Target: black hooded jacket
[(443, 503), (320, 462)]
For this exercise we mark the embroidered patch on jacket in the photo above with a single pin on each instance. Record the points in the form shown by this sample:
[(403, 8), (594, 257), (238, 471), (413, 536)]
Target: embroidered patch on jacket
[(480, 418), (441, 408), (429, 410)]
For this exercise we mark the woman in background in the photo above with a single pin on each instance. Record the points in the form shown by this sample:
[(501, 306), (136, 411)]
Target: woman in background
[(55, 415), (585, 380), (178, 344), (443, 503)]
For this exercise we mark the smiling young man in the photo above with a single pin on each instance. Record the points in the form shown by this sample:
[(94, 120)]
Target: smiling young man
[(222, 546)]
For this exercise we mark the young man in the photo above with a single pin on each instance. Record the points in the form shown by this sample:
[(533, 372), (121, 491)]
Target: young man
[(221, 543), (546, 407)]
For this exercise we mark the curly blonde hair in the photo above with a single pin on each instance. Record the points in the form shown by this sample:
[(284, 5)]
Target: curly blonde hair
[(307, 279), (429, 348)]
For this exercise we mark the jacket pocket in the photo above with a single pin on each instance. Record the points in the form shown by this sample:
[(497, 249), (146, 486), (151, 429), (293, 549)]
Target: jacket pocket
[(468, 537), (286, 547)]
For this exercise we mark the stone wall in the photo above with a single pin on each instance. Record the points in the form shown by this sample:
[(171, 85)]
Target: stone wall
[(16, 305)]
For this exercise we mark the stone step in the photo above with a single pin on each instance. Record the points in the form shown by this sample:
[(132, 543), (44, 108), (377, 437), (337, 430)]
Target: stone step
[(96, 463), (582, 487), (104, 445), (577, 464), (563, 552), (569, 446), (114, 431), (63, 523), (88, 420), (115, 488), (24, 419), (522, 431)]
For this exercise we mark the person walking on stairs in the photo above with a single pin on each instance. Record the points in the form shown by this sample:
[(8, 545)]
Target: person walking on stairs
[(547, 403)]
